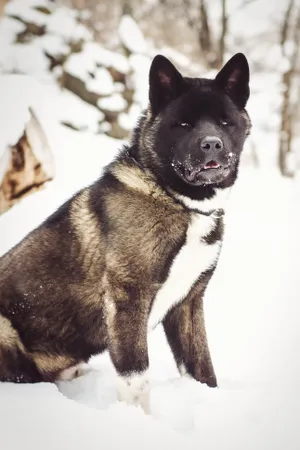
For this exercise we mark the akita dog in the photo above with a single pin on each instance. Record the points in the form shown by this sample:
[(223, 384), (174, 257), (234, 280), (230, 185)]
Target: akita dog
[(136, 248)]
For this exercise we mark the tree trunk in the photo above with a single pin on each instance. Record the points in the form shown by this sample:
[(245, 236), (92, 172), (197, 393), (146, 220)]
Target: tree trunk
[(288, 104), (2, 6), (224, 29), (286, 25), (204, 33), (26, 166), (285, 135)]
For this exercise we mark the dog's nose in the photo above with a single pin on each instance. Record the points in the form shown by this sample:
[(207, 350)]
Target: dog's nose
[(211, 143)]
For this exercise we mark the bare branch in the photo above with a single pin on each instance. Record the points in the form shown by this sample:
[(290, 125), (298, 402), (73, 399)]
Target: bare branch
[(224, 29), (204, 32), (288, 117), (286, 24)]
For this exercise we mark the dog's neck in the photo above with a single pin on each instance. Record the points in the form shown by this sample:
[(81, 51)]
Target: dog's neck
[(214, 206)]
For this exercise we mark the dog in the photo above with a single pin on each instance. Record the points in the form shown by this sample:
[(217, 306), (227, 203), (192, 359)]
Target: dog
[(135, 249)]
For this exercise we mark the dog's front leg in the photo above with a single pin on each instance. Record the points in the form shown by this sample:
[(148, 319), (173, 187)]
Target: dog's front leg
[(127, 344), (185, 330)]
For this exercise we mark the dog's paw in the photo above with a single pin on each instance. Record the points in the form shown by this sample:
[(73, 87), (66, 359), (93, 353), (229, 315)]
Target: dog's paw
[(134, 390)]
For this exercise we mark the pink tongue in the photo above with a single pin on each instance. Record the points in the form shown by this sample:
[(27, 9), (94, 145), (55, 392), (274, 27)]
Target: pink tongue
[(211, 165)]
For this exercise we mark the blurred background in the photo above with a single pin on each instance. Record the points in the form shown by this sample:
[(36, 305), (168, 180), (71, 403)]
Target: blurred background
[(83, 65), (73, 80)]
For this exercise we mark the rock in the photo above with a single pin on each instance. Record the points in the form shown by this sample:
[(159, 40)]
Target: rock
[(85, 79), (34, 20), (78, 87), (116, 131), (55, 49)]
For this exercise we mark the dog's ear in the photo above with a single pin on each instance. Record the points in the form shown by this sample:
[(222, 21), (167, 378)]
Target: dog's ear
[(165, 82), (234, 79)]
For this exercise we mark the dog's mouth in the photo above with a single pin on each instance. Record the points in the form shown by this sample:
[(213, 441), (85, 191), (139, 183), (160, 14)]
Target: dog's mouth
[(211, 165), (210, 172)]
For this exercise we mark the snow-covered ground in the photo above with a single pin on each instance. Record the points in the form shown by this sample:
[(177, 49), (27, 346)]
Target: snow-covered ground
[(252, 306), (252, 312)]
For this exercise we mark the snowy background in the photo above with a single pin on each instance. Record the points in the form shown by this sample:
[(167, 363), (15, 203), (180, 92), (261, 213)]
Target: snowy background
[(252, 304)]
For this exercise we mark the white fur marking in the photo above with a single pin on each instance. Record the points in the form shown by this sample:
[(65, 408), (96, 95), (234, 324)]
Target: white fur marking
[(218, 201), (183, 372), (71, 373), (134, 390), (194, 258)]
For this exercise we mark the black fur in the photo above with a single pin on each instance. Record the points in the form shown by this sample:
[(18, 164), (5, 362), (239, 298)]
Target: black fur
[(205, 107)]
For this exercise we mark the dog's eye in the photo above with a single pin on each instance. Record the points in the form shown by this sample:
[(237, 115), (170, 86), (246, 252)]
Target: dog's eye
[(224, 123), (184, 125)]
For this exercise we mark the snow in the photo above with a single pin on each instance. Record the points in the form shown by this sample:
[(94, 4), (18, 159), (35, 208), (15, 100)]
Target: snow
[(53, 45), (79, 67), (139, 77), (77, 113), (14, 109), (102, 83), (260, 14), (62, 22), (106, 58), (176, 57), (52, 105), (9, 29), (252, 312), (128, 120), (119, 87), (26, 13), (24, 58), (114, 103), (18, 5), (97, 80), (131, 35)]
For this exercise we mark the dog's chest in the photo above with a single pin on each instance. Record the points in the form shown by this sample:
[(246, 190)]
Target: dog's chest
[(194, 257)]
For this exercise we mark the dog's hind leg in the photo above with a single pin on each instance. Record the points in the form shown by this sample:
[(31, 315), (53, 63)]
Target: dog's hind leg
[(15, 365)]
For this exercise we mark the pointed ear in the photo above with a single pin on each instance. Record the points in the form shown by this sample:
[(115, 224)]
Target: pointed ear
[(234, 79), (165, 83)]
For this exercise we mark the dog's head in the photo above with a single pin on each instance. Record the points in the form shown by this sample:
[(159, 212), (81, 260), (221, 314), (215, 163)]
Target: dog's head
[(193, 132)]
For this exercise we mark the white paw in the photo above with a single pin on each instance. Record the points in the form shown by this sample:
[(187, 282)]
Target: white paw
[(183, 372), (134, 390)]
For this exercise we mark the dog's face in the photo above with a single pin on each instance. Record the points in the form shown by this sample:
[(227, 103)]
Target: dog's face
[(197, 127)]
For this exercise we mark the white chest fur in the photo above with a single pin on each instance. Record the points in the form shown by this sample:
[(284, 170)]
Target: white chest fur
[(194, 258)]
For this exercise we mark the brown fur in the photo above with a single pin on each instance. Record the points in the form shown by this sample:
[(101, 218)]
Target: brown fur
[(51, 365), (8, 335)]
